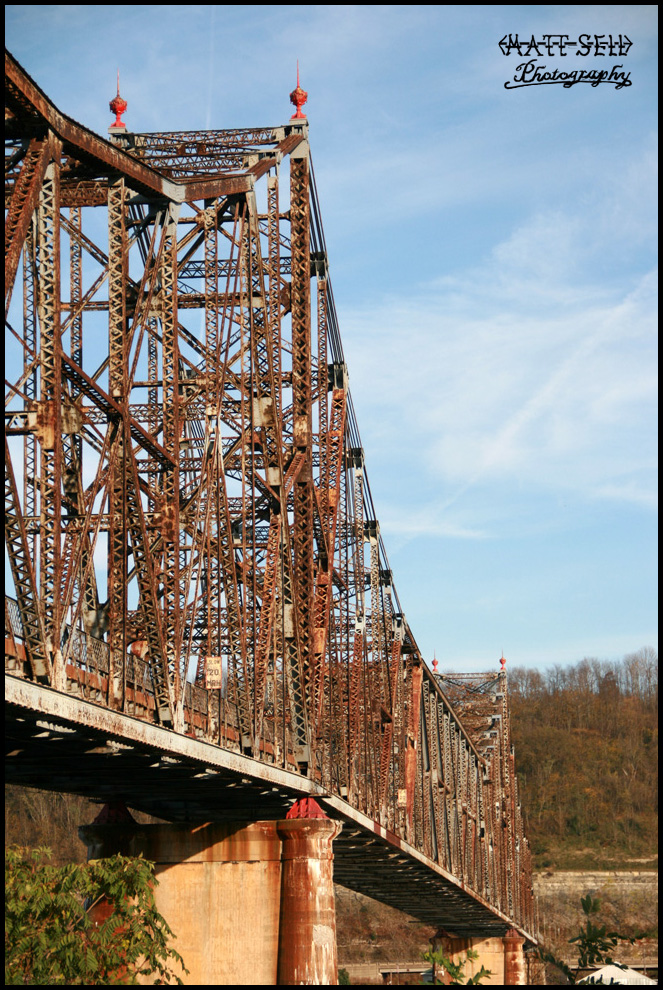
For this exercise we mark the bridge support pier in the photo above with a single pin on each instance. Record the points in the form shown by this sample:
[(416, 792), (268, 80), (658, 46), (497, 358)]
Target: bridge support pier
[(251, 904), (307, 934), (515, 964), (503, 957)]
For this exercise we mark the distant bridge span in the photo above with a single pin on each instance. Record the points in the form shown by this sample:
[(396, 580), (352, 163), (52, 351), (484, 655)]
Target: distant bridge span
[(203, 618)]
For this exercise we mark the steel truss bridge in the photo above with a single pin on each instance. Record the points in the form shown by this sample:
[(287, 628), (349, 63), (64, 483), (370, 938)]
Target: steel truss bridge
[(203, 618)]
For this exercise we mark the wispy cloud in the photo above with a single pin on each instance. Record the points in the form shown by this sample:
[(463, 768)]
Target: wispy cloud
[(527, 368), (427, 523)]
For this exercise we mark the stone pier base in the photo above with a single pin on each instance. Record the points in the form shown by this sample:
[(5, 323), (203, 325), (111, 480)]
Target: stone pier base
[(503, 957), (515, 965), (251, 904)]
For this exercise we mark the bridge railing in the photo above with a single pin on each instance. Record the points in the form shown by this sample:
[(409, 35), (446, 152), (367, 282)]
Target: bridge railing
[(459, 800)]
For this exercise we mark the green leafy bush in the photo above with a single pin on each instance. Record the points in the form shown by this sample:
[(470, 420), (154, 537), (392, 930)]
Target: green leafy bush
[(594, 944), (438, 960), (52, 939)]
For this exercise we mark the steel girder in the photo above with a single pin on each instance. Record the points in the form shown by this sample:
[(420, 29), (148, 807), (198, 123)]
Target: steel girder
[(189, 524)]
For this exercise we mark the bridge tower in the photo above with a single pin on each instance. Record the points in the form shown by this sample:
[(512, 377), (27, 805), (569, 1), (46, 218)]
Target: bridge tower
[(201, 607)]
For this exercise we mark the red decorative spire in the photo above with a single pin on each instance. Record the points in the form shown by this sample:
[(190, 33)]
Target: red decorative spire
[(503, 660), (434, 663), (298, 98), (118, 106)]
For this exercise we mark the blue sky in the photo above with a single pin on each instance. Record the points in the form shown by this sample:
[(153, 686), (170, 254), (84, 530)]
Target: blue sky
[(493, 257)]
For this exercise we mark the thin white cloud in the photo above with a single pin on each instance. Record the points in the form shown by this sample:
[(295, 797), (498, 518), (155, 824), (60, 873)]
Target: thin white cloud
[(631, 493), (526, 368), (426, 523)]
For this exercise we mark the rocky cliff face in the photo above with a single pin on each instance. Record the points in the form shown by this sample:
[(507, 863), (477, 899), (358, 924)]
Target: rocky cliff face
[(629, 905), (597, 882)]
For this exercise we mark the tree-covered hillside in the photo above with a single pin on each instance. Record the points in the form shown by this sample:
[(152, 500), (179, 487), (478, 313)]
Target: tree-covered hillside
[(586, 742)]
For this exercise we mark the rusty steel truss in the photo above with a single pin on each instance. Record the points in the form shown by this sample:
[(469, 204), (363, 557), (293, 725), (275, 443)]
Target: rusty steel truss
[(190, 530)]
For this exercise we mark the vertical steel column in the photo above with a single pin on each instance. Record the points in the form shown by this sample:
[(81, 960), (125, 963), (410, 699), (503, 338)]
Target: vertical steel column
[(326, 688), (152, 375), (72, 443), (356, 675), (274, 282), (241, 548), (389, 715), (50, 412), (302, 409), (25, 579), (472, 821), (117, 387), (434, 751), (31, 384), (268, 451), (170, 525), (221, 575), (283, 559), (450, 756), (76, 288), (323, 389), (415, 678), (211, 453), (23, 202), (506, 791)]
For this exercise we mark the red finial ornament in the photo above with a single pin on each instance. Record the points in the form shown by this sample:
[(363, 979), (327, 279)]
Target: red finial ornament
[(306, 808), (503, 660), (298, 98), (434, 664), (118, 106)]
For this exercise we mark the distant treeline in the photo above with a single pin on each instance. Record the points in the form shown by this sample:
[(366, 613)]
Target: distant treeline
[(586, 739)]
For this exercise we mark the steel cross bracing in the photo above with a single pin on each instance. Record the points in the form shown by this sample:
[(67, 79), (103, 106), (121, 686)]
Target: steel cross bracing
[(190, 529)]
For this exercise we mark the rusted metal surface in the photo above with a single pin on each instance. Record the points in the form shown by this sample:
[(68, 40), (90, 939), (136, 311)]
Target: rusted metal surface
[(481, 702), (189, 483), (515, 967), (307, 936)]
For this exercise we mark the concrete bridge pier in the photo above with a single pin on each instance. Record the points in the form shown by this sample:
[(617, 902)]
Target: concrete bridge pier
[(251, 903), (307, 933), (515, 964), (503, 957)]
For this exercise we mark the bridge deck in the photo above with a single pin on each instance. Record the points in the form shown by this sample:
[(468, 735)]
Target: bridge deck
[(61, 743)]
